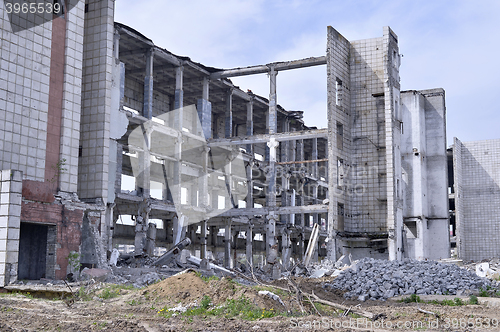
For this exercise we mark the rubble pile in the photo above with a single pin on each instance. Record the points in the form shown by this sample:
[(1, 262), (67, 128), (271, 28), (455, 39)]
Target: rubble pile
[(375, 279), (486, 268)]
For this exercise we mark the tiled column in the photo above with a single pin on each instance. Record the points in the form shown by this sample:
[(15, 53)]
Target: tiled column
[(10, 224)]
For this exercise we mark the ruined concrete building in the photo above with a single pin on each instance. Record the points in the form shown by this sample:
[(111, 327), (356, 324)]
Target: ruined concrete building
[(108, 140), (475, 198)]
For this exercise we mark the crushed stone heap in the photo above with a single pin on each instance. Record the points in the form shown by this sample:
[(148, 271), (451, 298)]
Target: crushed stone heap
[(375, 279)]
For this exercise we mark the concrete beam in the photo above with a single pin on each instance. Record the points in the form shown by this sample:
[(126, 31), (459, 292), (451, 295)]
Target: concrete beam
[(160, 52), (262, 69), (280, 137), (315, 208)]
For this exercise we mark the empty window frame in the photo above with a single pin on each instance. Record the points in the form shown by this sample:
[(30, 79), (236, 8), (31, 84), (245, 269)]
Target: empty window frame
[(338, 92)]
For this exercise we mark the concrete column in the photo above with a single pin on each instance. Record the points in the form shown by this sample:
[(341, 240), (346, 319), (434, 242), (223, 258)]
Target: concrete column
[(283, 170), (203, 240), (213, 236), (249, 244), (204, 203), (228, 123), (227, 243), (301, 245), (147, 110), (151, 239), (271, 244), (315, 254), (292, 203), (315, 201), (300, 157), (287, 248), (179, 227), (272, 118), (249, 147), (204, 109), (175, 229), (315, 157), (10, 224), (168, 224), (179, 92), (234, 245), (141, 226), (116, 47), (109, 225), (249, 198)]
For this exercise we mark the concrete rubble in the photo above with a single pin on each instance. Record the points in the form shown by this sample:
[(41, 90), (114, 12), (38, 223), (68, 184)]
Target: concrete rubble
[(374, 279)]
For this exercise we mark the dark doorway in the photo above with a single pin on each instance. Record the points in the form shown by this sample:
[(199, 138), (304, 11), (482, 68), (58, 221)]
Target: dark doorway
[(32, 251)]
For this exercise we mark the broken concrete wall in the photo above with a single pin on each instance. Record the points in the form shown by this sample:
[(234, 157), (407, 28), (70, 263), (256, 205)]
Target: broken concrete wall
[(339, 140), (67, 218), (96, 100), (458, 195), (10, 222), (437, 175), (425, 174), (366, 168), (477, 197)]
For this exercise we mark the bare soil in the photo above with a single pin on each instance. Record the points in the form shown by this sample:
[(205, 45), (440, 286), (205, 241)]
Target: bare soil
[(137, 310)]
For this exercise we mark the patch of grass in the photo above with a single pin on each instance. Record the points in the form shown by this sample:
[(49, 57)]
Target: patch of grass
[(29, 295), (242, 308), (353, 315), (100, 325), (112, 291), (205, 279), (82, 294), (412, 298), (133, 302), (483, 292), (456, 302)]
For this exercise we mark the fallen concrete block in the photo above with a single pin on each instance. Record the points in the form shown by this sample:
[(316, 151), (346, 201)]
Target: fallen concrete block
[(319, 273), (114, 257), (273, 296), (197, 261), (96, 274)]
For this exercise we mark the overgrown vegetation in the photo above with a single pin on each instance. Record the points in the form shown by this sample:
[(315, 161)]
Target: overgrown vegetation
[(242, 308), (455, 302), (112, 291), (412, 298), (206, 279)]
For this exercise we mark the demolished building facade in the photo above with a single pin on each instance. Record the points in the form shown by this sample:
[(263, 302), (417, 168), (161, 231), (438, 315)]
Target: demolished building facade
[(475, 198), (108, 139)]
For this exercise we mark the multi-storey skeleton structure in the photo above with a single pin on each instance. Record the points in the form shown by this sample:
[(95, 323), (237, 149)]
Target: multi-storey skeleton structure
[(102, 124)]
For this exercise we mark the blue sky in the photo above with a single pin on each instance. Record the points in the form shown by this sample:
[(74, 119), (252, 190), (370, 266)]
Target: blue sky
[(452, 44)]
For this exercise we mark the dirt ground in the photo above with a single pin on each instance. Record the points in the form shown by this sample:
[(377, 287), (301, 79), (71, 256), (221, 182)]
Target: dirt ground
[(141, 310)]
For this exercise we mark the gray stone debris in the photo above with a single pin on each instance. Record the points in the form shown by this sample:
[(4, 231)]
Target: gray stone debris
[(146, 279), (375, 279)]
